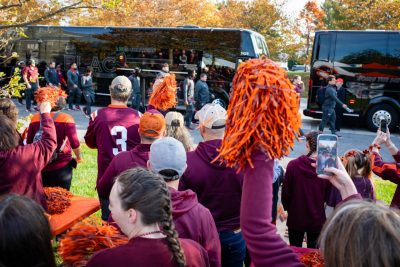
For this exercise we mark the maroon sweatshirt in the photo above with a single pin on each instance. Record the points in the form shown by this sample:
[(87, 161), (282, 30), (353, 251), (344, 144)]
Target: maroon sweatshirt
[(149, 252), (388, 171), (136, 157), (21, 167), (194, 221), (112, 130), (65, 130), (363, 185), (304, 196), (218, 188)]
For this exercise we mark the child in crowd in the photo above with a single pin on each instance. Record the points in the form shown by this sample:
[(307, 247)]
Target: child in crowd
[(358, 166), (279, 175), (141, 206), (176, 129), (25, 238), (304, 196), (192, 220)]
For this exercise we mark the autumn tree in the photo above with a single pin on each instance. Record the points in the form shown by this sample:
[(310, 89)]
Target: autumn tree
[(263, 16), (361, 15), (311, 18)]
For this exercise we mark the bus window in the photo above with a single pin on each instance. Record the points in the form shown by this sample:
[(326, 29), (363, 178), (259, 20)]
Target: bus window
[(394, 50), (323, 47), (361, 48)]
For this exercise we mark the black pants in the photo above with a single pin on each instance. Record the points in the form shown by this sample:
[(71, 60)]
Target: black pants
[(61, 177), (296, 238), (74, 96), (105, 211), (328, 117)]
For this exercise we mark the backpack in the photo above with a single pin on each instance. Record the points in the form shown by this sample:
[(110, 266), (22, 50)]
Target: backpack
[(38, 137), (321, 96)]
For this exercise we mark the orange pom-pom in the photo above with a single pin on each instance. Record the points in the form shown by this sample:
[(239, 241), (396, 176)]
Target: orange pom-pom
[(49, 94), (312, 259), (85, 238), (164, 93), (58, 199), (262, 114)]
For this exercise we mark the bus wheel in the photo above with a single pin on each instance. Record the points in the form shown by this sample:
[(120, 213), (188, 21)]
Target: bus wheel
[(379, 112), (221, 100)]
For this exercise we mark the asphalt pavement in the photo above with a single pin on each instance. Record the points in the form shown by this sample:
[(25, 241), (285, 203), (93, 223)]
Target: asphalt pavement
[(353, 137)]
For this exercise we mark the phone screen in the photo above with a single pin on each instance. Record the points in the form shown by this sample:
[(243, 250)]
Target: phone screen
[(383, 125), (327, 152)]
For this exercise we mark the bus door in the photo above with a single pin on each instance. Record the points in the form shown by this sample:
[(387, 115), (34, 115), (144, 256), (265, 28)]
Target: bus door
[(321, 65)]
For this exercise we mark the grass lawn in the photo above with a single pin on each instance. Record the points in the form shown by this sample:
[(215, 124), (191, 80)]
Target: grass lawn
[(84, 179)]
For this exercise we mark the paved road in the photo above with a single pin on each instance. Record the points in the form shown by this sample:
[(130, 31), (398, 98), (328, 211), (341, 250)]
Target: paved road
[(353, 137)]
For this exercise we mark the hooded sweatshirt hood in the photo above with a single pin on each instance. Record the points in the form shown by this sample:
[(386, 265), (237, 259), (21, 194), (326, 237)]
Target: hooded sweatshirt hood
[(182, 201), (304, 166), (207, 151)]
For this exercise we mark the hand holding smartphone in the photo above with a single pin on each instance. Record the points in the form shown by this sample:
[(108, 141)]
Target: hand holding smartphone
[(383, 126), (326, 152)]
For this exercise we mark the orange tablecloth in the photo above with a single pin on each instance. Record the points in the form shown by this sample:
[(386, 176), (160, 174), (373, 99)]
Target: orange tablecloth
[(81, 207)]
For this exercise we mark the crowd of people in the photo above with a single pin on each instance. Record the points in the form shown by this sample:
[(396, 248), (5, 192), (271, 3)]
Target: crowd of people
[(177, 205)]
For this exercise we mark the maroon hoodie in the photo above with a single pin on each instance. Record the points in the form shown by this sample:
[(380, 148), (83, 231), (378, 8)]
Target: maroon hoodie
[(137, 157), (21, 167), (194, 221), (265, 245), (304, 196), (217, 187)]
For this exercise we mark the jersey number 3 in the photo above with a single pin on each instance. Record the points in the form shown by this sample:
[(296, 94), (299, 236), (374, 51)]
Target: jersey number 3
[(121, 142)]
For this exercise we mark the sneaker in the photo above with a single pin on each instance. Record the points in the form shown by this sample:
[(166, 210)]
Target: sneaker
[(339, 136), (85, 110), (36, 108), (77, 107), (28, 110)]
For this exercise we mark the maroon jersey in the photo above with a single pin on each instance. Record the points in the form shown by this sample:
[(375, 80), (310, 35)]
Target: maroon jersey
[(112, 130)]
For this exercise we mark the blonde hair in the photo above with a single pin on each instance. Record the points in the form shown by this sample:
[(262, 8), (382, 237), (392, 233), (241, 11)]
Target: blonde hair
[(358, 163), (175, 128), (361, 233)]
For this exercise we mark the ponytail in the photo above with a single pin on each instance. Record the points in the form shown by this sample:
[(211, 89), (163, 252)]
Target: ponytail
[(168, 227)]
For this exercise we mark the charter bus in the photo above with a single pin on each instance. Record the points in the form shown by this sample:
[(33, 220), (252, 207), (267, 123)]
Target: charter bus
[(369, 63), (114, 51)]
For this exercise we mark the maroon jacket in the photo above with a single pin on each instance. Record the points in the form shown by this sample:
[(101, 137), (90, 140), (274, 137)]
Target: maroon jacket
[(388, 171), (65, 130), (194, 221), (136, 157), (363, 185), (112, 130), (218, 188), (304, 196), (149, 252), (20, 167)]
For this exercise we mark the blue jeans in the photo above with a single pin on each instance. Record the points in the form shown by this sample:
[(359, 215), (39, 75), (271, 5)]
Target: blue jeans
[(136, 99), (189, 114), (233, 249), (74, 96), (328, 117)]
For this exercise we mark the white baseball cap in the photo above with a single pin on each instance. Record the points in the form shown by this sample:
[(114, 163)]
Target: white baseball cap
[(121, 83), (209, 114)]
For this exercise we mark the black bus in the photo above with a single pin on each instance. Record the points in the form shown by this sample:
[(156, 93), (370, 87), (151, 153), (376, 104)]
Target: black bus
[(369, 63), (114, 51)]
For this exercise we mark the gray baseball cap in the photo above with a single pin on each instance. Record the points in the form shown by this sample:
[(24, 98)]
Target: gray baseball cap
[(122, 83), (167, 154)]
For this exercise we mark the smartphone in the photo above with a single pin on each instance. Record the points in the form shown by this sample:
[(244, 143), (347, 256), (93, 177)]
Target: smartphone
[(383, 125), (326, 152)]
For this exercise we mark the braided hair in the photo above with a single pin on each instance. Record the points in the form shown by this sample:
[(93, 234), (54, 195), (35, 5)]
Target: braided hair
[(311, 139), (358, 163), (147, 193)]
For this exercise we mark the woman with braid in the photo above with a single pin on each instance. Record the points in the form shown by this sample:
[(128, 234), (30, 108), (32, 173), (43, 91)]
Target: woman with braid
[(140, 204), (304, 196)]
